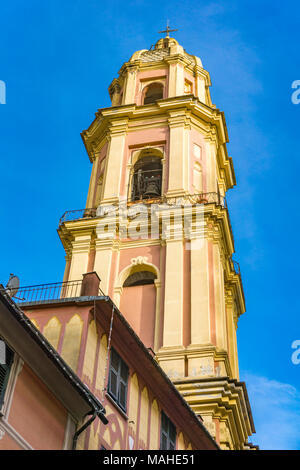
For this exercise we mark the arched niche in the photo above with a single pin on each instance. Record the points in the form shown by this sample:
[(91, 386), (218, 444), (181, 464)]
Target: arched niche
[(138, 289)]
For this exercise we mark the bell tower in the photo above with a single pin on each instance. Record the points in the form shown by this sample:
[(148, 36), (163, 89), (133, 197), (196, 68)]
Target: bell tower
[(156, 229)]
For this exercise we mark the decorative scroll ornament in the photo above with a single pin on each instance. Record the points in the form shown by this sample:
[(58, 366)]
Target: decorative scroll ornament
[(139, 260)]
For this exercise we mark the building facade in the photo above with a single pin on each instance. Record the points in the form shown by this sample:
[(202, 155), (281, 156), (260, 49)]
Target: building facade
[(143, 408), (156, 231), (158, 157)]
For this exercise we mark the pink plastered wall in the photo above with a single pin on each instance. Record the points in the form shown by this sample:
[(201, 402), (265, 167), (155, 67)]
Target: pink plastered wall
[(36, 414), (152, 253), (9, 443)]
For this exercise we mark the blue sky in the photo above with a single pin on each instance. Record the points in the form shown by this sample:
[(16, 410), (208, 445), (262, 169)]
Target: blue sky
[(57, 60)]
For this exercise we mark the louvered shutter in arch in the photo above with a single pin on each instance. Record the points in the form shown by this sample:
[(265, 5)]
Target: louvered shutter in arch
[(172, 436), (123, 385), (167, 433), (118, 379)]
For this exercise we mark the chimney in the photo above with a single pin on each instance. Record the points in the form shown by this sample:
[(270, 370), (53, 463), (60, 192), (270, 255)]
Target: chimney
[(90, 284)]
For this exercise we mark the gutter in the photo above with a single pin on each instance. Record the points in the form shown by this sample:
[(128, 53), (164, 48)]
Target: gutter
[(86, 425)]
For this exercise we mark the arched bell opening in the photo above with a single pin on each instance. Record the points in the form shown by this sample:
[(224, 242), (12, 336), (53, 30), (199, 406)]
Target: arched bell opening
[(147, 178), (153, 92)]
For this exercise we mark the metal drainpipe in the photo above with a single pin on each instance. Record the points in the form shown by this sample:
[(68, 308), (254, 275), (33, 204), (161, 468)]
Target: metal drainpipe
[(86, 425)]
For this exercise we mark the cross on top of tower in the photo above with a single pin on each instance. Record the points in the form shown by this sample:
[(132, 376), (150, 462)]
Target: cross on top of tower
[(168, 30)]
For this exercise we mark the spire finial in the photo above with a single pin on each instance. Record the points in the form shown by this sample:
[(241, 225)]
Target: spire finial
[(168, 30)]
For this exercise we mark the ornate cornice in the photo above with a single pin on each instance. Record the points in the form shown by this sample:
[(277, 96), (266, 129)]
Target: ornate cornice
[(225, 400), (210, 120)]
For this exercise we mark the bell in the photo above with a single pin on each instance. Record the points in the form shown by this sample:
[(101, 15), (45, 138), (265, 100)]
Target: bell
[(152, 188)]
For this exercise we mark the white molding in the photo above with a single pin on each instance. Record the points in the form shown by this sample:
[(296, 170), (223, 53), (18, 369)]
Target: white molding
[(10, 388), (6, 427)]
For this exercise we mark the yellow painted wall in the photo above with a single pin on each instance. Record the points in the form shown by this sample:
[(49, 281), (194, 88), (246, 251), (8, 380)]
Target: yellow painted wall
[(71, 341), (90, 352), (52, 331)]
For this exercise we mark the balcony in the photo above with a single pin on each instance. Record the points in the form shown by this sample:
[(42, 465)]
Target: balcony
[(43, 293), (192, 199)]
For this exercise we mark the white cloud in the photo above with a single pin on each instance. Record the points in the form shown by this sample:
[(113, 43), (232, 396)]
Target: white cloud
[(276, 413)]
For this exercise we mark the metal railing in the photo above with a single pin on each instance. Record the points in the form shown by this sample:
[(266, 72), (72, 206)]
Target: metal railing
[(77, 214), (54, 291), (235, 266), (199, 198), (146, 184)]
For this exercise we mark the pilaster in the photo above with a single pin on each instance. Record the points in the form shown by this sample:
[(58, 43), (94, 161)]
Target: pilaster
[(173, 305), (179, 125), (231, 327), (80, 255), (200, 304), (176, 77), (130, 85), (115, 158)]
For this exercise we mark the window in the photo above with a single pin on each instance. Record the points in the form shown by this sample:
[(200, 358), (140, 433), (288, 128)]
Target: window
[(188, 88), (153, 92), (167, 433), (6, 360), (146, 183), (118, 379)]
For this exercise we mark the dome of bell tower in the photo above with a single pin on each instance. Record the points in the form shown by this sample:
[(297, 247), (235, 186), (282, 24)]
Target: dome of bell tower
[(166, 42), (165, 63)]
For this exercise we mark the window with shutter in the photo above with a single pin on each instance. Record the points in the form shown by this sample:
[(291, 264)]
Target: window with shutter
[(118, 379), (5, 371), (167, 433)]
